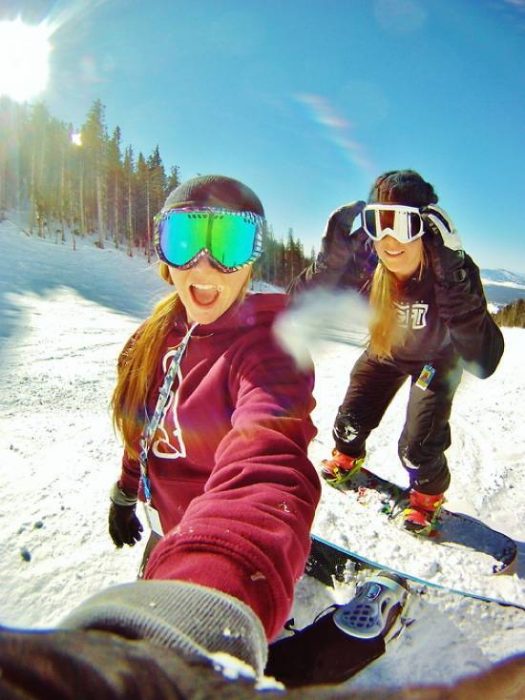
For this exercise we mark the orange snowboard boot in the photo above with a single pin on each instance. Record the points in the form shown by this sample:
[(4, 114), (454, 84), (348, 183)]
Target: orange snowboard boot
[(341, 467), (422, 512)]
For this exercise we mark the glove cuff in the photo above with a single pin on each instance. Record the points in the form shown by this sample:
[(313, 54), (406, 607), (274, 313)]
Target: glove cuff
[(120, 497), (196, 621)]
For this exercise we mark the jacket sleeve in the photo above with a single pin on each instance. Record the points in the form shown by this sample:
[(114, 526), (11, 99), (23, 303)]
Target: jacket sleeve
[(474, 333), (129, 475), (349, 264), (248, 533)]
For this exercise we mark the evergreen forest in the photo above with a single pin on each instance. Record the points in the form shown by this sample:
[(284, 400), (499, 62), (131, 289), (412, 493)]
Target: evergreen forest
[(86, 182), (512, 315)]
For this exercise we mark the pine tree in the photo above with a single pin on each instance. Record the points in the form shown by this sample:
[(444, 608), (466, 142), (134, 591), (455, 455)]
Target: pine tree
[(38, 172), (157, 179), (143, 213), (173, 180), (156, 190), (60, 197), (512, 315), (129, 196), (115, 180), (13, 130), (94, 148)]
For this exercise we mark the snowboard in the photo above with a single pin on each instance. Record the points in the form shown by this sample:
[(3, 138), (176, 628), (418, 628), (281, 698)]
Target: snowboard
[(323, 652), (453, 529), (331, 563)]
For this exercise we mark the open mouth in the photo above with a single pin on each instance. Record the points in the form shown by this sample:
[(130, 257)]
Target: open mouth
[(205, 294)]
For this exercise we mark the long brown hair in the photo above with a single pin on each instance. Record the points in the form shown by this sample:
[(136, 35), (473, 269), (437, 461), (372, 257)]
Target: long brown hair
[(136, 366), (138, 363), (384, 328)]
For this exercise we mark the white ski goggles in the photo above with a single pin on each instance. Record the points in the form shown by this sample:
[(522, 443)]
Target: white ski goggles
[(402, 223)]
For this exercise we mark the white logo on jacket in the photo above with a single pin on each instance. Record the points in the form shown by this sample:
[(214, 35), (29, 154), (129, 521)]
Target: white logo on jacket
[(169, 443), (412, 315)]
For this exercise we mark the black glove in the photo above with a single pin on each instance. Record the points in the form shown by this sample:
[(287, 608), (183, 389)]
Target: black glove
[(338, 242), (444, 247), (124, 526)]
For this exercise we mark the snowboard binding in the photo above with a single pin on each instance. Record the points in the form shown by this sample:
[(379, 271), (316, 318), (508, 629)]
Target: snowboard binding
[(339, 643), (379, 602)]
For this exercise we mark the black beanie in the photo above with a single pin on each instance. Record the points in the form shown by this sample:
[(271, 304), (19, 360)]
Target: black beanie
[(402, 187), (214, 191)]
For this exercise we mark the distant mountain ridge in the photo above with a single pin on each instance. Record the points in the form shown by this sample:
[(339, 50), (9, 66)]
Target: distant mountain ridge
[(503, 286), (503, 276)]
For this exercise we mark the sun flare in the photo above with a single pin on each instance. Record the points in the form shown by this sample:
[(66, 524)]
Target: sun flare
[(24, 59)]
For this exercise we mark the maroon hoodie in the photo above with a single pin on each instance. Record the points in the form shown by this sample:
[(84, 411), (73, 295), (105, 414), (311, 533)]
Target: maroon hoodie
[(229, 471)]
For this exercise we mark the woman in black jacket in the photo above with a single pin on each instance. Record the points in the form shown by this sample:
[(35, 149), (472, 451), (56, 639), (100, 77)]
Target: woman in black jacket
[(429, 320)]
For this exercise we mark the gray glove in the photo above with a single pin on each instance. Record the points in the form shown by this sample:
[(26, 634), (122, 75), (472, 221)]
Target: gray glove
[(196, 621), (444, 246)]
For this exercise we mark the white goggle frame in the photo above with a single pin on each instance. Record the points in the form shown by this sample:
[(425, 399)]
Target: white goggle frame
[(401, 222)]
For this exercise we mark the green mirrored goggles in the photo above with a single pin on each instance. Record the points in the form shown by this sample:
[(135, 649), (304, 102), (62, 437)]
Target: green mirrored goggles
[(229, 239)]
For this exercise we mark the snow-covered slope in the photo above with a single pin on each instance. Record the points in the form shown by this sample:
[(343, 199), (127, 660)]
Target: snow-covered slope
[(502, 286), (64, 315)]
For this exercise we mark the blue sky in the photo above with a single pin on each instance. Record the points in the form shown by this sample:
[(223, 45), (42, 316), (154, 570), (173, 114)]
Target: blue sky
[(307, 101)]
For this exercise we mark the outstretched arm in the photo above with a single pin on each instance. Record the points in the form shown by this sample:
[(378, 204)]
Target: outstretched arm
[(247, 535), (124, 662)]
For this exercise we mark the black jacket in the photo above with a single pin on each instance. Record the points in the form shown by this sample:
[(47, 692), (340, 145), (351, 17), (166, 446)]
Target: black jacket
[(463, 327)]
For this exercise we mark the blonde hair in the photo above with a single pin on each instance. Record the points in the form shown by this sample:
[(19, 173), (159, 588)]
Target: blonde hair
[(384, 328), (138, 363)]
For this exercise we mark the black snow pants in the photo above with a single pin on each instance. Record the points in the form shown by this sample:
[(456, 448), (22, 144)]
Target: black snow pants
[(426, 432)]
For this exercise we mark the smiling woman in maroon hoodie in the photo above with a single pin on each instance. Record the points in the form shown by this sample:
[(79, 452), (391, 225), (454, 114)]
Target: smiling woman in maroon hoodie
[(215, 415)]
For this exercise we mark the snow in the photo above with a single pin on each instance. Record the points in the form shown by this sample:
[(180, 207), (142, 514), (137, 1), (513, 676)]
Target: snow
[(64, 316), (509, 284)]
